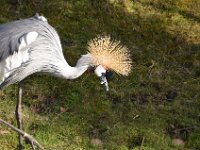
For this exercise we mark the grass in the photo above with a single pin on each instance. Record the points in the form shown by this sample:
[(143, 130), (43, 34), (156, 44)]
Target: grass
[(157, 103)]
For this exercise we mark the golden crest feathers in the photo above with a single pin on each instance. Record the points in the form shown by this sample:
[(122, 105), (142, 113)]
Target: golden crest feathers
[(111, 54)]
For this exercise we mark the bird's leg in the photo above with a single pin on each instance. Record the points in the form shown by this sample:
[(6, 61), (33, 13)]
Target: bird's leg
[(18, 113)]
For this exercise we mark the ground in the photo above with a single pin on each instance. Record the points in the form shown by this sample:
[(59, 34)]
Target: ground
[(157, 107)]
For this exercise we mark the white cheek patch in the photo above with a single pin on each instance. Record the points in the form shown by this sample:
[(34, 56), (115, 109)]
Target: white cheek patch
[(99, 70)]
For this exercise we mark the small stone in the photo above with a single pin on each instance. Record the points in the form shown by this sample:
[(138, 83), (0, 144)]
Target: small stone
[(62, 109), (96, 142), (178, 142)]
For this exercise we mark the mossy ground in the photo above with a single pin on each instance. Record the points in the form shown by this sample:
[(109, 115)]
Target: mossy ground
[(157, 103)]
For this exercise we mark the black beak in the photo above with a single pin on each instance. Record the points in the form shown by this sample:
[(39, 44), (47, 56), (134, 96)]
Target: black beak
[(104, 81)]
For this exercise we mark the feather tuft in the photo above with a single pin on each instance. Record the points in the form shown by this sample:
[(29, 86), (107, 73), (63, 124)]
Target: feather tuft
[(111, 54)]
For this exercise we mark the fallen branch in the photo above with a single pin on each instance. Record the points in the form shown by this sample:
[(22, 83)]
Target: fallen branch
[(142, 143), (28, 137)]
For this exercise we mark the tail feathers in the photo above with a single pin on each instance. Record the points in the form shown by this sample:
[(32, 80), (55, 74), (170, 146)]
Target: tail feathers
[(8, 81), (15, 77), (4, 84)]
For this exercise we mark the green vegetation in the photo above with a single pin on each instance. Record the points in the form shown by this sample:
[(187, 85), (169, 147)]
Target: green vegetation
[(157, 103)]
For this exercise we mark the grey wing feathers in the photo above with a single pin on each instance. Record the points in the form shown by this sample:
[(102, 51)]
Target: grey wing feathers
[(46, 49), (8, 43), (11, 32)]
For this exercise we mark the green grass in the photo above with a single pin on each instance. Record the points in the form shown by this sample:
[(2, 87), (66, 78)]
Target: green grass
[(157, 103)]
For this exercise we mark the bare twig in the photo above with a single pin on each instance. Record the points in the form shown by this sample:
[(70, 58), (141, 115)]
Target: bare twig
[(136, 116), (28, 137), (142, 143)]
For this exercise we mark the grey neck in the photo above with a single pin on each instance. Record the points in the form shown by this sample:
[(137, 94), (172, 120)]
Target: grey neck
[(81, 66)]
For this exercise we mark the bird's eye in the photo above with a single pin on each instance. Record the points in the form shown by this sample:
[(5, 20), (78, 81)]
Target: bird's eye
[(109, 74)]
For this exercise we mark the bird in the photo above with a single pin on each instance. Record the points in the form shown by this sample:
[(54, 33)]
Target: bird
[(32, 45)]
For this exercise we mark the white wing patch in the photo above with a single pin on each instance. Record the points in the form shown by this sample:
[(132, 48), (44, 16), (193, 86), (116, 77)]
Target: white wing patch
[(15, 60), (27, 39)]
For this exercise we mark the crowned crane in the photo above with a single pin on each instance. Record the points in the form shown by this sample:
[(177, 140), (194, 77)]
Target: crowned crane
[(32, 45)]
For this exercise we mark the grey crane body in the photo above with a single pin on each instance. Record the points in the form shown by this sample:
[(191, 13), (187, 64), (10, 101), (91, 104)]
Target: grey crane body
[(32, 45), (43, 53)]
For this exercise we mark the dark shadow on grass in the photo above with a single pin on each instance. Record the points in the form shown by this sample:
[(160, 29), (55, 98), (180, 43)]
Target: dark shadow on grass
[(171, 7)]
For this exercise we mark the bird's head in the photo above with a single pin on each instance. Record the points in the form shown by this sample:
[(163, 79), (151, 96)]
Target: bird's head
[(109, 55), (101, 72)]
